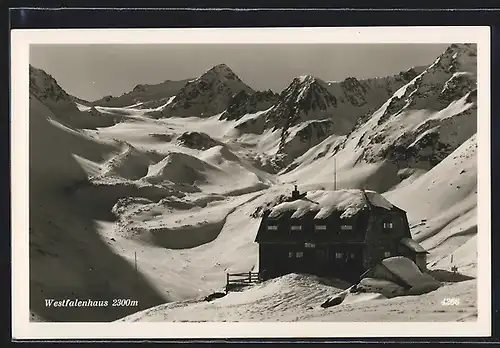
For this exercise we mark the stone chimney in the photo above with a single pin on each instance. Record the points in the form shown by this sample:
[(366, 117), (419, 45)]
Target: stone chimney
[(295, 193)]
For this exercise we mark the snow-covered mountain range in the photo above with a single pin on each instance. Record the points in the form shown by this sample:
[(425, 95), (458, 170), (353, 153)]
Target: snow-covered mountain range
[(174, 174)]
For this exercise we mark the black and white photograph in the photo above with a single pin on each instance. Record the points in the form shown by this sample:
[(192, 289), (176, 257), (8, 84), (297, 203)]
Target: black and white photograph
[(320, 183)]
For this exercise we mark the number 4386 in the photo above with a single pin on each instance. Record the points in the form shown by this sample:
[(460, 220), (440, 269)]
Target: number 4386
[(450, 301)]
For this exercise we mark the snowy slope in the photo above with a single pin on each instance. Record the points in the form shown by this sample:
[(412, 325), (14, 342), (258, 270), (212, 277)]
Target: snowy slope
[(293, 298), (77, 192), (67, 256), (442, 208)]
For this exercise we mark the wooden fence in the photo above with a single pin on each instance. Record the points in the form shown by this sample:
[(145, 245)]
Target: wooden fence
[(235, 280)]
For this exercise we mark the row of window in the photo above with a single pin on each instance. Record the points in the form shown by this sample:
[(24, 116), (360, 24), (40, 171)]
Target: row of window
[(317, 227), (347, 256), (300, 254), (387, 225), (338, 255)]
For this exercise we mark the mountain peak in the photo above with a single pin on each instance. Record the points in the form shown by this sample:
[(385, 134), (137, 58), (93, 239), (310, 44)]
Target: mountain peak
[(44, 86), (461, 47), (305, 99), (306, 79), (209, 94), (302, 87), (222, 70), (351, 83), (457, 57), (221, 66), (461, 52)]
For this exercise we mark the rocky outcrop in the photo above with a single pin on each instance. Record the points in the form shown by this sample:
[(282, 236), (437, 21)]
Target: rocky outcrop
[(244, 103), (197, 140)]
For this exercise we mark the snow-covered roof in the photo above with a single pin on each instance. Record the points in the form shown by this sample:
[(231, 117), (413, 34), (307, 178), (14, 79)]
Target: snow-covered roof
[(413, 245), (349, 202)]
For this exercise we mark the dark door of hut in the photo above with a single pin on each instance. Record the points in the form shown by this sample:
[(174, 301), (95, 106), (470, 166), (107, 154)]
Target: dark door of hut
[(346, 261), (354, 262), (314, 260), (321, 260)]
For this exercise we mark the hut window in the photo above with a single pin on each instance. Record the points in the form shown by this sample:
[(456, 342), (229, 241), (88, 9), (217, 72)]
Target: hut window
[(296, 228), (387, 254), (320, 227), (346, 227), (300, 254), (339, 255), (272, 228)]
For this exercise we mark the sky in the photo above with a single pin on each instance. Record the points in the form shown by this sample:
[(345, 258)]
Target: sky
[(93, 71)]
